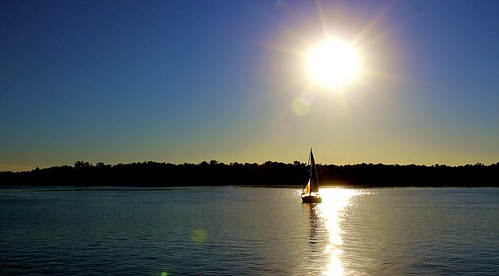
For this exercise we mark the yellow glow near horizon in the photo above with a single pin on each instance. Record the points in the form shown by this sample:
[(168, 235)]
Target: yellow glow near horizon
[(333, 63)]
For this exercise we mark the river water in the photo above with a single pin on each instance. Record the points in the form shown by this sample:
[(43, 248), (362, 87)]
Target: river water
[(248, 231)]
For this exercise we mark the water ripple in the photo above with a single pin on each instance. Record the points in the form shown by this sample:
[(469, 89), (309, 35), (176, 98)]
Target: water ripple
[(239, 231)]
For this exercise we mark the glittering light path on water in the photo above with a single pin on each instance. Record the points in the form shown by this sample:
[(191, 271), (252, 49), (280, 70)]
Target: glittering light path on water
[(331, 211)]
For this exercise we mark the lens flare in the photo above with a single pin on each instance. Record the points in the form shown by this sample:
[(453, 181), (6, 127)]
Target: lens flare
[(301, 106), (199, 236)]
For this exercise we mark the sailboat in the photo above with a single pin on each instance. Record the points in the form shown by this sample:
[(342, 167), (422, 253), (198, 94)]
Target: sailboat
[(310, 193)]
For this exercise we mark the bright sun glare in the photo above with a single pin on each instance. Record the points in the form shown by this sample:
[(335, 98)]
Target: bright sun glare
[(333, 63)]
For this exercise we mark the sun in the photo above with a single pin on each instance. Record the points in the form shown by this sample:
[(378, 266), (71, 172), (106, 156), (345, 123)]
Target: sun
[(333, 63)]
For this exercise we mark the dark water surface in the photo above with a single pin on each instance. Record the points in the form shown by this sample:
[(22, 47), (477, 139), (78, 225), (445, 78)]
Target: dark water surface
[(248, 231)]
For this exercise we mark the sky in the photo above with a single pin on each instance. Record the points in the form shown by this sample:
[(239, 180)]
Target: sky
[(190, 81)]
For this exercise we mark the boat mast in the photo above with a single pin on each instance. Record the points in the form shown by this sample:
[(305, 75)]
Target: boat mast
[(310, 158)]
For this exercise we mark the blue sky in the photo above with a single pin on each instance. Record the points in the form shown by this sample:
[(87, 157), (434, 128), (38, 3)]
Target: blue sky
[(187, 81)]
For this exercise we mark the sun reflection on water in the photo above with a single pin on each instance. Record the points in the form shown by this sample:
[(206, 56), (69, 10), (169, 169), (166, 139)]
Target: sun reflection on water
[(331, 212)]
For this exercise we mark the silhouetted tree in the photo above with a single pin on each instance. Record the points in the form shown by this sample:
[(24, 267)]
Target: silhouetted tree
[(271, 173)]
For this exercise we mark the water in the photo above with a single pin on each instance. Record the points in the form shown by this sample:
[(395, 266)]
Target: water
[(244, 230)]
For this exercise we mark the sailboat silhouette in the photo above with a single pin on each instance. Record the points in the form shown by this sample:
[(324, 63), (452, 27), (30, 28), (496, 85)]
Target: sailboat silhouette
[(310, 193)]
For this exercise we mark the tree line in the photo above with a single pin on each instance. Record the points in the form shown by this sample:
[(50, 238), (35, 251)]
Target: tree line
[(155, 174)]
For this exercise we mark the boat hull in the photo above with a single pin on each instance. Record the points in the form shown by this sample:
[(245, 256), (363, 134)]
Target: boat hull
[(308, 198)]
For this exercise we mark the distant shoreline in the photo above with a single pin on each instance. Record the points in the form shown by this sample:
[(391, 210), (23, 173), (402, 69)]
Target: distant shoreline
[(272, 174)]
